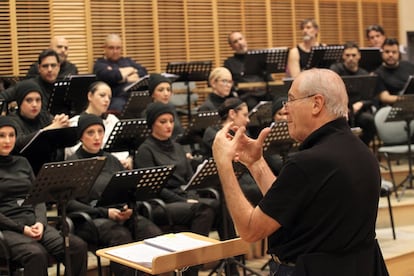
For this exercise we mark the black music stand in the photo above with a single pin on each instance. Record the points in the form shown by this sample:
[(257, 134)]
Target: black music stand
[(2, 105), (324, 56), (61, 182), (38, 150), (371, 58), (136, 104), (69, 95), (190, 71), (360, 87), (261, 114), (195, 130), (127, 134), (278, 141), (128, 187), (408, 87), (403, 110), (205, 176), (139, 85), (7, 81)]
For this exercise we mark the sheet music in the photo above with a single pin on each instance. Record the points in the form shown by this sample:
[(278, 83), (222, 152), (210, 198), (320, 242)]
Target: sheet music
[(144, 253), (176, 242), (141, 253)]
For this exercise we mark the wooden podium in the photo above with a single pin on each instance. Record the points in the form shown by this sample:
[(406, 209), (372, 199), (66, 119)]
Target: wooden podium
[(178, 261)]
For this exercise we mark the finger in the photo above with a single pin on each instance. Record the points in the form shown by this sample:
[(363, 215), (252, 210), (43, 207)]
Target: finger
[(263, 134)]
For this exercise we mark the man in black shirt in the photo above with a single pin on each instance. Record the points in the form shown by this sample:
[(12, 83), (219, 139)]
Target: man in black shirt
[(393, 73), (61, 46), (48, 67), (319, 214), (360, 113)]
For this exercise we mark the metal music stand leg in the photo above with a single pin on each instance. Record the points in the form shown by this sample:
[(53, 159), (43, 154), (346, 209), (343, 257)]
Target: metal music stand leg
[(410, 177)]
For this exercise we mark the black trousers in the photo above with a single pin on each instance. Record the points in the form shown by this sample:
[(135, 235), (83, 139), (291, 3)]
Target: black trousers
[(277, 269), (33, 255)]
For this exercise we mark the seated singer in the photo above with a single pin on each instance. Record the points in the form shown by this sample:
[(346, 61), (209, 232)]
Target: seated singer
[(24, 226), (319, 214), (115, 226)]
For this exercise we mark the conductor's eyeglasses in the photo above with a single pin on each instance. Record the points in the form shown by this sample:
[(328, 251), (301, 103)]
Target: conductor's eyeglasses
[(289, 101)]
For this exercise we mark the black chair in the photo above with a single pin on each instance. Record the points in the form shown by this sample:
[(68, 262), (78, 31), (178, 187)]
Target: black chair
[(8, 267), (386, 191)]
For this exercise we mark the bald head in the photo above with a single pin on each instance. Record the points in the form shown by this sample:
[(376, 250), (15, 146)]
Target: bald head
[(113, 47), (330, 85), (61, 46)]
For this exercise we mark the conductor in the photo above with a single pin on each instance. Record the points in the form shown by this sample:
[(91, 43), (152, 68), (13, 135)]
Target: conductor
[(319, 214)]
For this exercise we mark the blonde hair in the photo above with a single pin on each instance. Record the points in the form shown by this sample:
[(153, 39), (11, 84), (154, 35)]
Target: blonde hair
[(216, 73)]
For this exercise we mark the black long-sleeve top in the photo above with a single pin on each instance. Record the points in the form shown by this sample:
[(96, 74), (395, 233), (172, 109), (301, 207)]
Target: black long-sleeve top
[(10, 94), (16, 177), (154, 152), (111, 166)]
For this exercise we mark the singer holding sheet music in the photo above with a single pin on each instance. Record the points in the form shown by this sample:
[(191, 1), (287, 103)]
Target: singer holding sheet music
[(115, 226), (319, 213), (30, 118), (117, 71), (25, 227)]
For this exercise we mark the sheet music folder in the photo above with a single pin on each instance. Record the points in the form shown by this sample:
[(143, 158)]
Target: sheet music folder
[(50, 138), (135, 185)]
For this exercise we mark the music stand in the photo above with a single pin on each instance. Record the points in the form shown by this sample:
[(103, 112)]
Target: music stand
[(61, 182), (137, 184), (197, 126), (278, 141), (190, 71), (403, 110), (408, 87), (127, 134), (7, 81), (261, 114), (360, 87), (136, 104), (69, 95), (205, 176), (324, 56), (371, 58)]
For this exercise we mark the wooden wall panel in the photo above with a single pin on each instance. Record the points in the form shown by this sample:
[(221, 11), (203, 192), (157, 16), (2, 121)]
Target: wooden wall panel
[(158, 31)]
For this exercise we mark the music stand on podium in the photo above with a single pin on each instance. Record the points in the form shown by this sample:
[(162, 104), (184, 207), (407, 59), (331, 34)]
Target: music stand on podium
[(127, 134), (403, 110), (190, 71), (61, 182), (324, 56), (136, 104), (69, 95), (177, 261)]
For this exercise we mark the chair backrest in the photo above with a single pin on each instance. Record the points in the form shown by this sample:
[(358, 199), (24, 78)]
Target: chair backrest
[(391, 133)]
